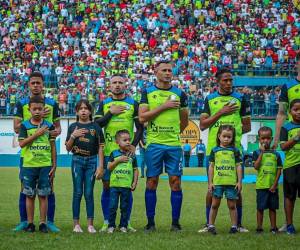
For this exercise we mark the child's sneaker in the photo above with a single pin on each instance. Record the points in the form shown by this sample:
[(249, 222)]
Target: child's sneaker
[(233, 230), (30, 228), (21, 226), (130, 228), (91, 229), (290, 229), (104, 227), (274, 230), (51, 226), (204, 229), (123, 229), (242, 229), (43, 228), (283, 228), (212, 230), (110, 230), (259, 230), (77, 229)]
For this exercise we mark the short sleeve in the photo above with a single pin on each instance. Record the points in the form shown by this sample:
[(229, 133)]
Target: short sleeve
[(111, 157), (100, 135), (212, 156), (19, 111), (183, 100), (255, 156), (144, 97), (283, 134), (51, 128), (23, 132), (100, 111), (136, 109), (279, 161), (206, 109), (237, 156), (283, 97), (56, 113), (70, 131), (245, 108)]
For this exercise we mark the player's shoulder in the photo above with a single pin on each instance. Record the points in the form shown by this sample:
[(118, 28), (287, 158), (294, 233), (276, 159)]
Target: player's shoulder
[(177, 91), (24, 101), (47, 123), (237, 95), (116, 153), (290, 84), (129, 100), (290, 125), (107, 100), (213, 95), (50, 101), (73, 125)]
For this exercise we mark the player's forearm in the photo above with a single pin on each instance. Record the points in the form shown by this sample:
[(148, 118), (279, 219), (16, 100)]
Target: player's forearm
[(258, 161), (288, 145), (277, 176), (206, 122), (246, 125), (146, 116), (104, 120), (100, 156), (139, 133), (17, 125), (53, 154), (112, 165), (135, 176), (239, 173), (280, 119), (69, 144), (57, 127), (27, 141), (210, 174)]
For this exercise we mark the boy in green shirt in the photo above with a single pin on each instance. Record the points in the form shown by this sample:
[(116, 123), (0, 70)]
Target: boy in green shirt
[(39, 163), (123, 179), (290, 144), (268, 164)]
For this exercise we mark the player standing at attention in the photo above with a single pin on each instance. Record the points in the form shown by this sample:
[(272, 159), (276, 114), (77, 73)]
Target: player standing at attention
[(164, 107), (225, 107), (50, 114), (289, 92), (116, 113)]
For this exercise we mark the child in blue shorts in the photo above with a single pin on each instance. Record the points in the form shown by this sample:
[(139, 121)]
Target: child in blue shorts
[(268, 164), (123, 179), (39, 162), (224, 176)]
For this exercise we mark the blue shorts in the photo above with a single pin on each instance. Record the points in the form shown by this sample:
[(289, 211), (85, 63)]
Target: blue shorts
[(266, 199), (36, 181), (230, 192), (106, 175), (158, 156)]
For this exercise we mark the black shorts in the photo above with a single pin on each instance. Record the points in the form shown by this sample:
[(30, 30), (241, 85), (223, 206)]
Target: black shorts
[(266, 199), (291, 182)]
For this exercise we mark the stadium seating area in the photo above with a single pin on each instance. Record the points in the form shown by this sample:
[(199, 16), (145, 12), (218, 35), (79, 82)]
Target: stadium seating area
[(77, 45)]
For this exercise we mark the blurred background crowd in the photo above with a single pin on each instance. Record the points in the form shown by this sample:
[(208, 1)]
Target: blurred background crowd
[(78, 45)]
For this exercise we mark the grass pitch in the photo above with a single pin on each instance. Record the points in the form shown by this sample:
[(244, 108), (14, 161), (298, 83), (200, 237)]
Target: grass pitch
[(192, 218)]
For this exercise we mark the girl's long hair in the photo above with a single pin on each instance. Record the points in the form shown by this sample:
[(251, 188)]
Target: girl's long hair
[(89, 106), (226, 127)]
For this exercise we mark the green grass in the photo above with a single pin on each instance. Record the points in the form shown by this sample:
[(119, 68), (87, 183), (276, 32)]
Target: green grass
[(192, 218)]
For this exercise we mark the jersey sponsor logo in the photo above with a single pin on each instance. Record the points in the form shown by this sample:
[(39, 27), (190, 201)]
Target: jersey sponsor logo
[(267, 172), (93, 132), (39, 147), (83, 139), (108, 137), (122, 171), (222, 168)]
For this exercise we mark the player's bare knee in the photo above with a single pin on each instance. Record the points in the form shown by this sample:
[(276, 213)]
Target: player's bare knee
[(175, 183), (152, 183)]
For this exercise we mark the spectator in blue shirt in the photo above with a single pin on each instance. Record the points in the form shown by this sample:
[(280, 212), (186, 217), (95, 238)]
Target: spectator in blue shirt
[(200, 151), (187, 149)]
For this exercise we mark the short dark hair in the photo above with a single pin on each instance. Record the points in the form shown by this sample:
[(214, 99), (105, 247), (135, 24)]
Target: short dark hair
[(121, 132), (226, 127), (36, 99), (294, 102), (162, 62), (265, 129), (221, 72), (36, 74)]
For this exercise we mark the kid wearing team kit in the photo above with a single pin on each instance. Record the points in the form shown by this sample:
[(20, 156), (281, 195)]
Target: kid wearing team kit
[(290, 144), (224, 176), (268, 164), (39, 163), (123, 179), (85, 139)]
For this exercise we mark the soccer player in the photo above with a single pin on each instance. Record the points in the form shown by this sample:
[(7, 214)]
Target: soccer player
[(39, 162), (268, 164), (289, 92), (50, 114), (290, 144), (164, 107), (225, 107), (113, 114)]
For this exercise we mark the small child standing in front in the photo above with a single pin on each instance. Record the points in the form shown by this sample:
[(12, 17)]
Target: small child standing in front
[(224, 176), (290, 144), (268, 164), (85, 139), (123, 179), (39, 162)]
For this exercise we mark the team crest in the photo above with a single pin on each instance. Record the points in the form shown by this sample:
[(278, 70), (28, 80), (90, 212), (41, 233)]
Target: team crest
[(93, 132)]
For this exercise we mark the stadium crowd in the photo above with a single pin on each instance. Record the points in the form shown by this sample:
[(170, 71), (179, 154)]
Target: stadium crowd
[(77, 45)]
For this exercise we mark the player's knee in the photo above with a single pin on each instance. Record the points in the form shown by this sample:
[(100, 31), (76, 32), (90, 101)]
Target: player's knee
[(215, 206), (152, 183), (231, 206), (175, 183)]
